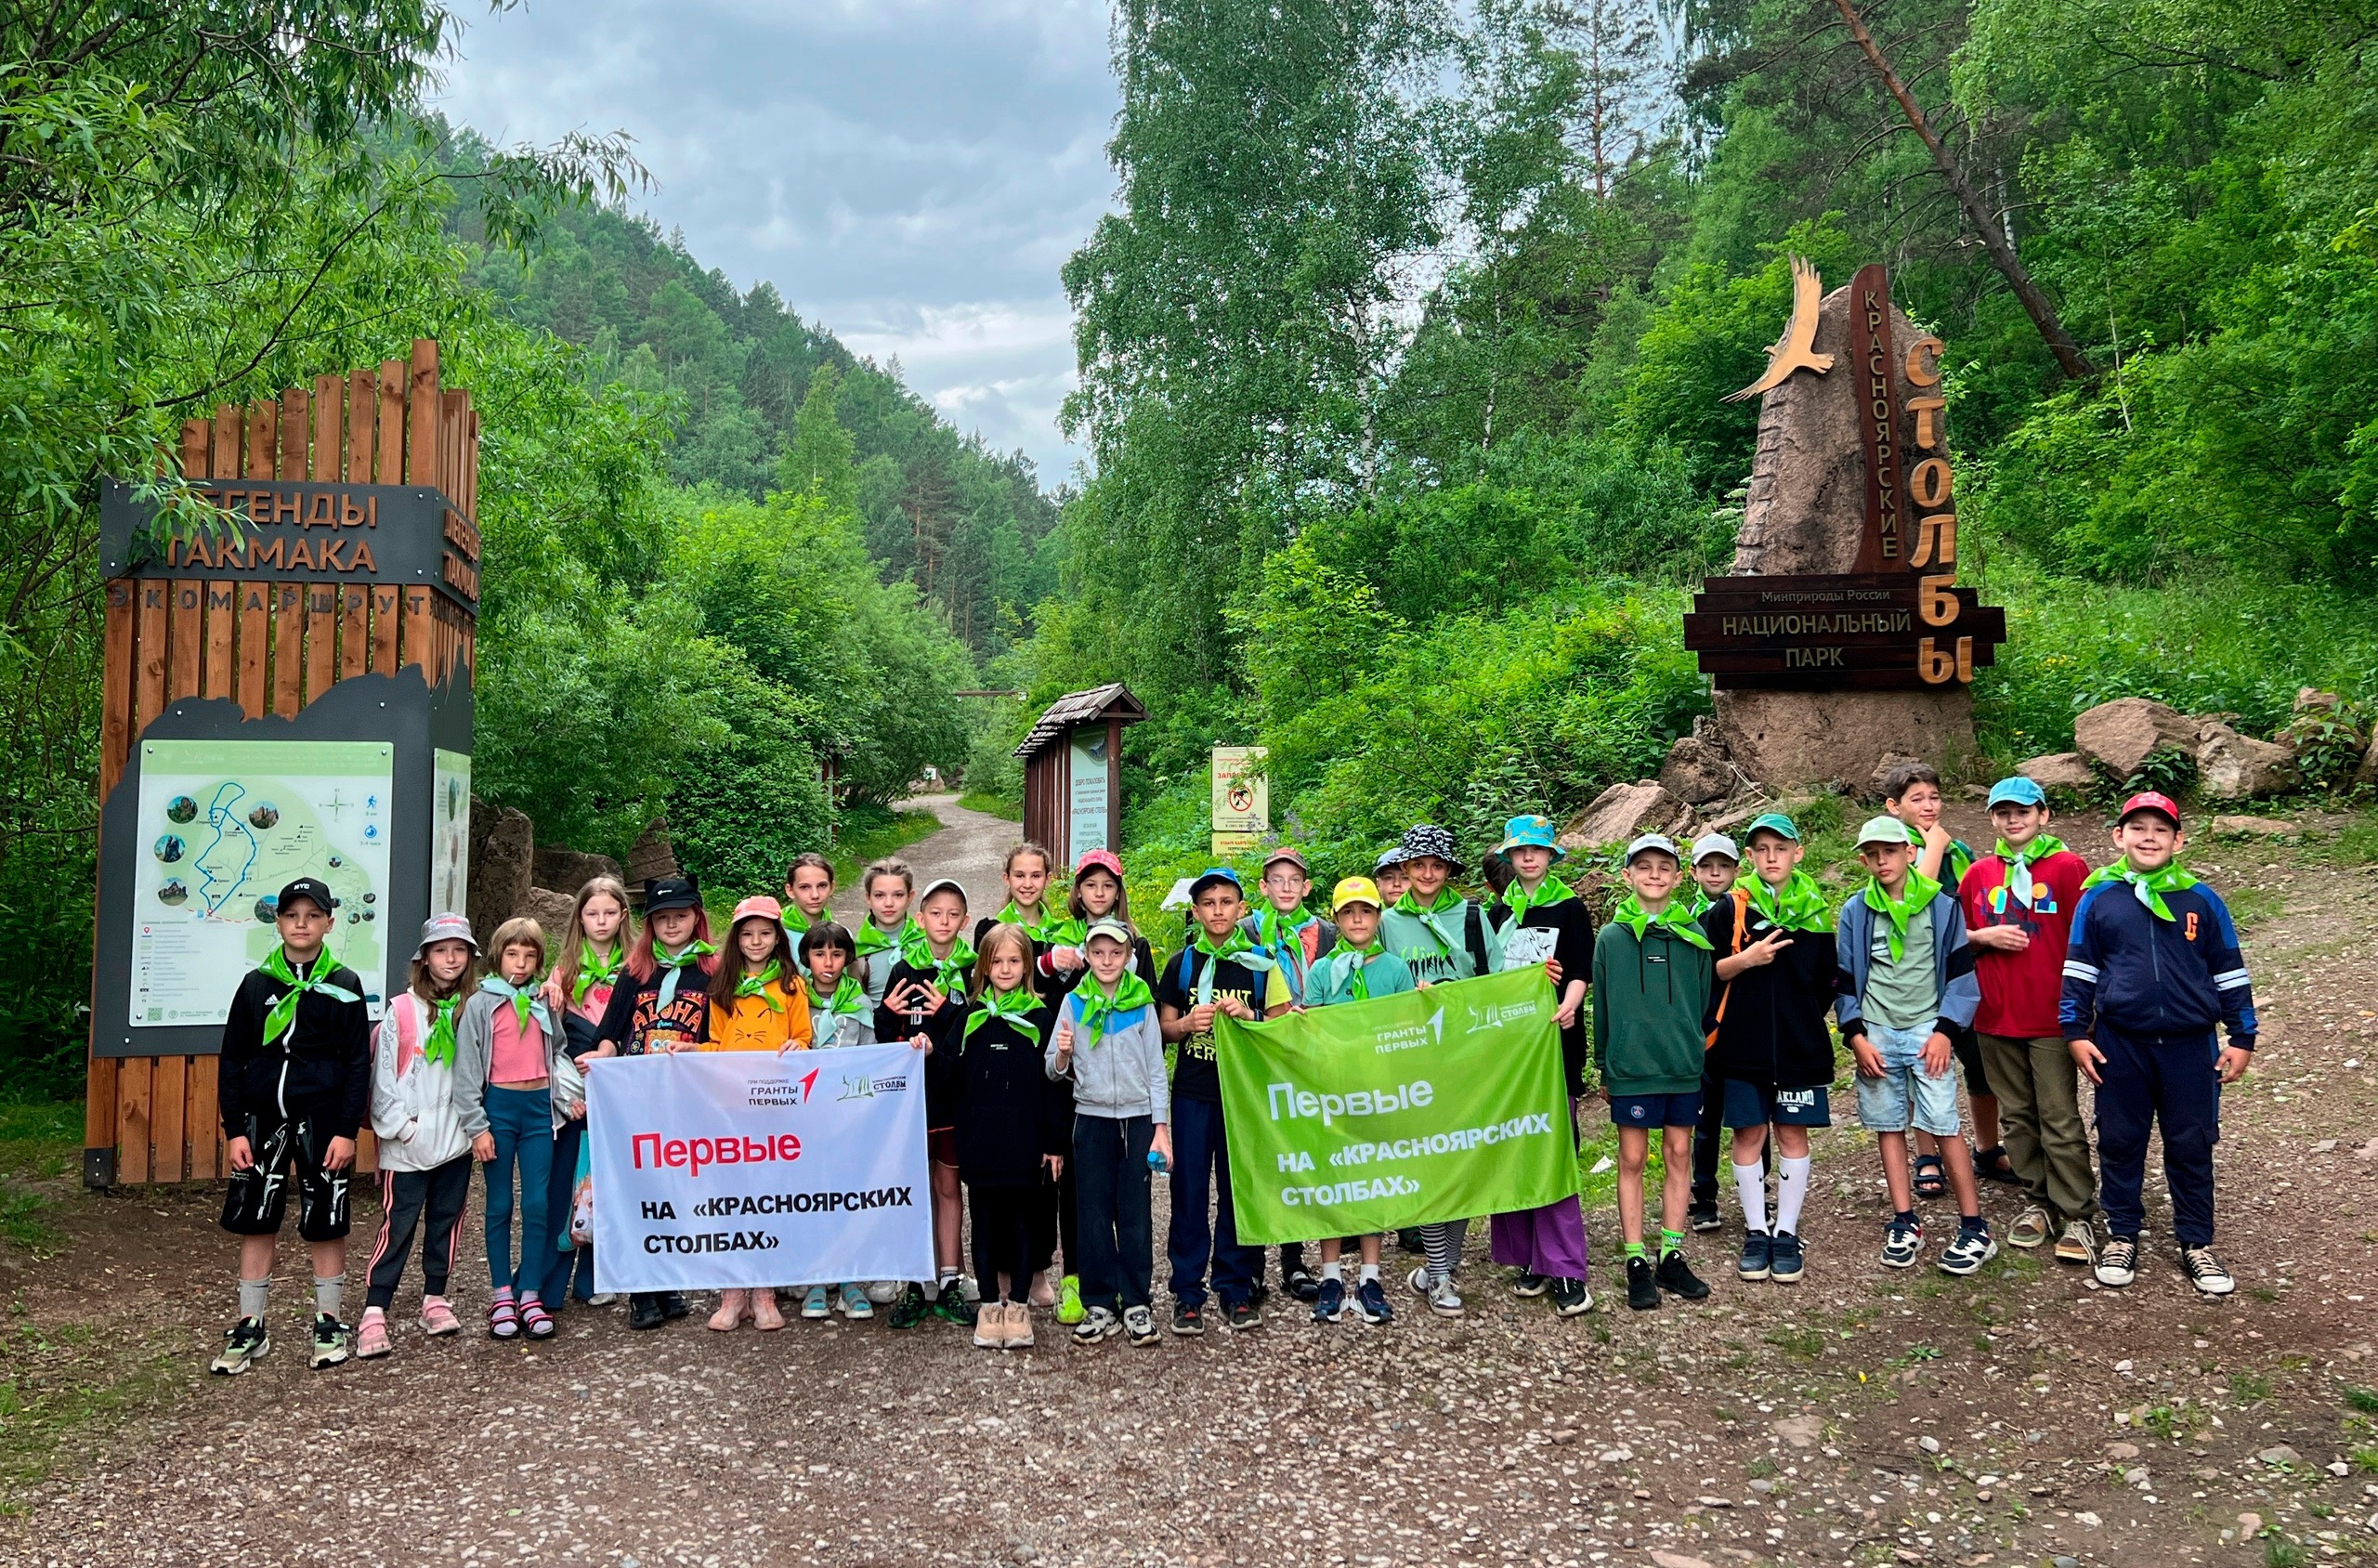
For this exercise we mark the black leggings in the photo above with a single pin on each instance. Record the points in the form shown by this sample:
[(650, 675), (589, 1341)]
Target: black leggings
[(1003, 1227), (441, 1192), (1054, 1224)]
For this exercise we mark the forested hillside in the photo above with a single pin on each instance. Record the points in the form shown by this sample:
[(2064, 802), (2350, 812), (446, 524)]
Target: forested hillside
[(1403, 359)]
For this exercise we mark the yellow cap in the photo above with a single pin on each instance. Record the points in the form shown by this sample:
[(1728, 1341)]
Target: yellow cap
[(1355, 890)]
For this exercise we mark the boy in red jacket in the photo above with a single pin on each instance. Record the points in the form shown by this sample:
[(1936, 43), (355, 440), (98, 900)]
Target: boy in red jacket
[(2019, 905)]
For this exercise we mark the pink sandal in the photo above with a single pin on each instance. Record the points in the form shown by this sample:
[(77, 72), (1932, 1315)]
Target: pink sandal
[(540, 1322), (372, 1340), (503, 1318), (438, 1319)]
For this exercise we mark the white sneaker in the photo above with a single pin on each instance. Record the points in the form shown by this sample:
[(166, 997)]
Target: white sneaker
[(855, 1303), (1096, 1324), (2205, 1272), (1442, 1297), (817, 1304), (2118, 1262), (883, 1292)]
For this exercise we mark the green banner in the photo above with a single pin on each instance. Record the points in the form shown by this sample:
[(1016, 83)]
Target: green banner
[(1443, 1103)]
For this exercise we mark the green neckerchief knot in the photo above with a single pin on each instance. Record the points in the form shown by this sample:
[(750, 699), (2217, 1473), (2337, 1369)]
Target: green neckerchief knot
[(595, 969), (1238, 949), (1049, 930), (1915, 895), (873, 939), (672, 967), (2149, 886), (1958, 858), (764, 985), (284, 1015), (1548, 891), (1798, 905), (1098, 1009), (849, 1001), (949, 974), (1674, 919), (1700, 903), (1068, 931), (1446, 902), (795, 920), (1348, 966), (2018, 864), (1013, 1008), (525, 1006), (440, 1046)]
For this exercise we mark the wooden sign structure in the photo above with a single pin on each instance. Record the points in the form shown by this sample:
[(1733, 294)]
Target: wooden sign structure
[(354, 554), (1899, 621), (1072, 771)]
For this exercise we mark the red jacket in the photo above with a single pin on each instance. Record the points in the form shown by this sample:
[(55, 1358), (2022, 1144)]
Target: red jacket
[(2020, 991)]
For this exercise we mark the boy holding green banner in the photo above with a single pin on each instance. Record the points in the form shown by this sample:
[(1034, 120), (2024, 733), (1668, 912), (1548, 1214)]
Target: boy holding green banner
[(1359, 968), (1543, 920), (1652, 975), (1219, 971)]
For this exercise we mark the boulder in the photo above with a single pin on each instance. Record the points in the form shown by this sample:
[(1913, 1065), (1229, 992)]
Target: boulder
[(1799, 740), (2120, 735), (2365, 773), (503, 850), (2253, 826), (2231, 766), (567, 870), (551, 911), (1697, 772), (2060, 770), (1884, 765), (1623, 811), (650, 857), (2312, 699)]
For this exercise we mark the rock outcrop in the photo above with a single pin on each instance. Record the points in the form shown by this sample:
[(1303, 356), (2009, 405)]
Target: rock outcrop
[(2120, 735)]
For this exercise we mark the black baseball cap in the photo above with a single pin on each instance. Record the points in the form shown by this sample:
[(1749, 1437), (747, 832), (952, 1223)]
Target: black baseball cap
[(671, 892), (310, 889)]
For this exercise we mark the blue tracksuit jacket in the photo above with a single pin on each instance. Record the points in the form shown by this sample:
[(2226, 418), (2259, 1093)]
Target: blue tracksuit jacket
[(2128, 971)]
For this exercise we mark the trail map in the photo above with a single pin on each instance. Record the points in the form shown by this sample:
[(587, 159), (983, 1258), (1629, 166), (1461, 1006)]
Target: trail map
[(226, 825)]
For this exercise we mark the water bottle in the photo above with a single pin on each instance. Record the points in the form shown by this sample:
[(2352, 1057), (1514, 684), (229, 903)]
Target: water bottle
[(1158, 1164)]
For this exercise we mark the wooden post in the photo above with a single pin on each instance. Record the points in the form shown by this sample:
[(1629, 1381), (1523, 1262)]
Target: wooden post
[(389, 459), (323, 462), (359, 409), (421, 415)]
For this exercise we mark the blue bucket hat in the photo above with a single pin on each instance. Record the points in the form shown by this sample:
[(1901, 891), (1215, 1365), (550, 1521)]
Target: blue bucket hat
[(1537, 831), (2020, 790)]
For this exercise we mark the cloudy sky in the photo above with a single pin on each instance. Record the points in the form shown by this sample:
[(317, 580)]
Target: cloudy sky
[(909, 172)]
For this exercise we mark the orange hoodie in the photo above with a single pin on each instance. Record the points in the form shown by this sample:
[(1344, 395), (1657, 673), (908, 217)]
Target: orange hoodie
[(754, 1025)]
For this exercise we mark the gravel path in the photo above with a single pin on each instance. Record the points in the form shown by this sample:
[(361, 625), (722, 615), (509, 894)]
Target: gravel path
[(970, 847), (1860, 1418)]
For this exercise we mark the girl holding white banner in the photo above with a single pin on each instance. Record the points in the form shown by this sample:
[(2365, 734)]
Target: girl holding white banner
[(757, 1002)]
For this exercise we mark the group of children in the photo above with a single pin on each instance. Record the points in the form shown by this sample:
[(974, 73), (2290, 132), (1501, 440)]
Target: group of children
[(1704, 1003)]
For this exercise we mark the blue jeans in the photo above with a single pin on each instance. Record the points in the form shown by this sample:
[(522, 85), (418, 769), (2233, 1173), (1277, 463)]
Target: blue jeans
[(1200, 1164), (2169, 1080), (562, 1260), (1110, 1168), (522, 1120)]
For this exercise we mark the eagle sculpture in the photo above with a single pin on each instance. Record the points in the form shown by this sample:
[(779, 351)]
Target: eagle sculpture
[(1795, 349)]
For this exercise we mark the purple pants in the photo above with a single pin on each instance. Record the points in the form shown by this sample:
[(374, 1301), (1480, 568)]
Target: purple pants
[(1549, 1241)]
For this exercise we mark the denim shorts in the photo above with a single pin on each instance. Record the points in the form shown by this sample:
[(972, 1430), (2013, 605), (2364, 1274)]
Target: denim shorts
[(1905, 1091)]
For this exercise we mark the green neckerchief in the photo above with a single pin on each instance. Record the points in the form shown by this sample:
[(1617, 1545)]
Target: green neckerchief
[(1044, 930), (672, 968), (1447, 901), (949, 974), (873, 939), (283, 1015), (757, 985), (1350, 965), (1958, 849), (1013, 1008), (1236, 948), (794, 920), (1676, 920), (1098, 1009), (1063, 931), (2018, 864), (525, 1006), (849, 1001), (1700, 903), (1917, 894), (1548, 891), (2150, 886), (1798, 905), (594, 969), (440, 1046)]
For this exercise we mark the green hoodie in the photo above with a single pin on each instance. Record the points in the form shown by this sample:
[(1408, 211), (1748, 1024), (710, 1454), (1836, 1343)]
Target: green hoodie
[(1650, 997)]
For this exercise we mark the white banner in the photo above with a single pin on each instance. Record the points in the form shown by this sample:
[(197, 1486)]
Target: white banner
[(719, 1168)]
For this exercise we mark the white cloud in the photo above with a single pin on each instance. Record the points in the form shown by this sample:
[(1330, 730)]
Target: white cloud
[(909, 172)]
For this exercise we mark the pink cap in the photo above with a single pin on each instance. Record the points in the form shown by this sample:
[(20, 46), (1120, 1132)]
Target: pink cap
[(2151, 799), (1098, 860), (758, 904)]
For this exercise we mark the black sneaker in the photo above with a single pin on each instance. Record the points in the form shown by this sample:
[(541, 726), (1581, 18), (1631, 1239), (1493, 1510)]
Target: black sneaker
[(2118, 1262), (1642, 1291), (1675, 1278), (1571, 1298), (1330, 1306), (951, 1305), (329, 1342), (245, 1345), (644, 1311), (1188, 1320), (672, 1304), (1703, 1216), (1787, 1255), (2204, 1272), (1243, 1315), (1759, 1255), (1526, 1283), (1409, 1240), (911, 1307), (1302, 1285)]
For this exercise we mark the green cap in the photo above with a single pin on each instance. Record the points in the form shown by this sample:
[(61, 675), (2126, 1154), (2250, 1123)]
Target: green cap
[(1774, 822), (1884, 829)]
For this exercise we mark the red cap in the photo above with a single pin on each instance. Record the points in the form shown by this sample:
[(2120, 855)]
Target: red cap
[(2149, 800)]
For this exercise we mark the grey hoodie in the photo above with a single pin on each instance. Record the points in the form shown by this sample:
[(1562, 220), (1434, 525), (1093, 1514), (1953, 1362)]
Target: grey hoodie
[(474, 1052), (1122, 1075), (414, 1112)]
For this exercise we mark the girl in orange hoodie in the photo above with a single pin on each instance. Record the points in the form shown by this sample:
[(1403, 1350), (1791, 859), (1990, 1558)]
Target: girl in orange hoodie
[(757, 1002)]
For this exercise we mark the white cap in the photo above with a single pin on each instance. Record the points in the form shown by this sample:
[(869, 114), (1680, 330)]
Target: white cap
[(1660, 841), (1708, 844)]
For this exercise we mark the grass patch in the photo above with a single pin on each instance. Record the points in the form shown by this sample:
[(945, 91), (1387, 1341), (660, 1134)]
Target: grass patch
[(2356, 844), (2366, 1460), (870, 833), (61, 1388), (2252, 906), (2281, 1552), (2363, 1400), (40, 1141), (1800, 1344), (992, 805), (2249, 1388)]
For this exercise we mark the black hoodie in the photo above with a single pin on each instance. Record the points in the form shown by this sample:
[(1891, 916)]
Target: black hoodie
[(1772, 1031), (322, 1068)]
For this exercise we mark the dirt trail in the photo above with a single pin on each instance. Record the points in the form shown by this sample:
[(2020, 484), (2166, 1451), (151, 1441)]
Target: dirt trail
[(969, 848), (1860, 1418)]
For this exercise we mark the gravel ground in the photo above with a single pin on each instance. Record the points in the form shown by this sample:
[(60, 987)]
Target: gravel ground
[(969, 848), (1862, 1416)]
